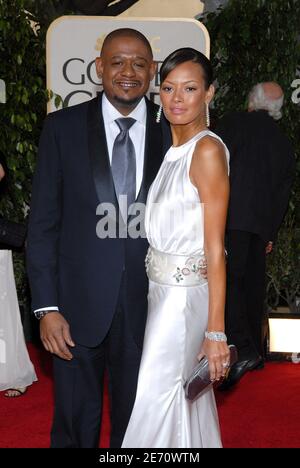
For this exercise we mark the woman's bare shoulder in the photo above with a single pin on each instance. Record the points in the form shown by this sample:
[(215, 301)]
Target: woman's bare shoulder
[(209, 148)]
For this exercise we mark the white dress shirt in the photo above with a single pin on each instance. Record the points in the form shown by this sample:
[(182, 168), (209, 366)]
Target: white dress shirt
[(137, 134)]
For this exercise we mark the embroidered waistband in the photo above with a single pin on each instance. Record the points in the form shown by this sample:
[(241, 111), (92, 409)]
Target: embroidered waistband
[(175, 270)]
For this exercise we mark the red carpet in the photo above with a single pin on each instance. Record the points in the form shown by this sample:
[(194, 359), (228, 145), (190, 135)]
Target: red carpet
[(262, 412)]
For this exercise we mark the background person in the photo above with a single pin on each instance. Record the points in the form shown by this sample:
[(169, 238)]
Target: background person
[(262, 168)]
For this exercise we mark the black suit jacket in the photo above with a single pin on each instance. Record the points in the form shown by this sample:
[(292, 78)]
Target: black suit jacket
[(68, 265), (262, 167)]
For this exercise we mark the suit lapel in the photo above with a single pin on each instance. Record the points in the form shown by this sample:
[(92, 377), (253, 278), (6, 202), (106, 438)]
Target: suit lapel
[(99, 159), (98, 153)]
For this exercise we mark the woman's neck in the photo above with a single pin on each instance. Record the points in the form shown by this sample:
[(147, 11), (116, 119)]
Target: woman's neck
[(183, 133)]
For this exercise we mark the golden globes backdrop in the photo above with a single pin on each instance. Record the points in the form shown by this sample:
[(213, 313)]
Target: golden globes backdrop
[(73, 43)]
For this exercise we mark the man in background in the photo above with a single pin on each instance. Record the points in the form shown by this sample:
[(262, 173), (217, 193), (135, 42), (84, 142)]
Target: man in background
[(261, 173)]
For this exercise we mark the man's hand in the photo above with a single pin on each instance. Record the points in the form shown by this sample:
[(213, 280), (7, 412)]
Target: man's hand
[(269, 247), (55, 335)]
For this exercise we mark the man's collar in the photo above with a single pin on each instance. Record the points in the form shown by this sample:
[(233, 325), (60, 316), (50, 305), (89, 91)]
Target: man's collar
[(110, 113)]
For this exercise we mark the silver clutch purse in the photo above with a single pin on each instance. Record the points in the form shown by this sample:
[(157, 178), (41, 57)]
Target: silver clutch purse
[(200, 376)]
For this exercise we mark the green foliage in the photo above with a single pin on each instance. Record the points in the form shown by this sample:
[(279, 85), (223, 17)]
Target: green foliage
[(283, 269), (48, 10), (254, 41), (22, 59)]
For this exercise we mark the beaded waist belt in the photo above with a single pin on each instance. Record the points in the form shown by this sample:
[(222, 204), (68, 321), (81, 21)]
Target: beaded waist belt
[(175, 270)]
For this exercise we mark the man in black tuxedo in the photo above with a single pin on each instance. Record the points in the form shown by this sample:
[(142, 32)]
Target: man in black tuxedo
[(90, 291), (261, 173)]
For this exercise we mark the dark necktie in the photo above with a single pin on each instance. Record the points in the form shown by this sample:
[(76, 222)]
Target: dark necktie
[(123, 165)]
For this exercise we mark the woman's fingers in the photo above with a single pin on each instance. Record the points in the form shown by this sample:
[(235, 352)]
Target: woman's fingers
[(219, 364), (218, 355)]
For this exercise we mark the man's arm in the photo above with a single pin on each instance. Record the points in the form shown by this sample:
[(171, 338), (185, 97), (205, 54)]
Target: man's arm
[(282, 192), (42, 242), (44, 220)]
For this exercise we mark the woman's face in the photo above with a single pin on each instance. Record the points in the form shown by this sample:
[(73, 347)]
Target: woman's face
[(183, 94)]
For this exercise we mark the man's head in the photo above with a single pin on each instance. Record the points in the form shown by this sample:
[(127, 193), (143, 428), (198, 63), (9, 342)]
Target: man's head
[(126, 67), (266, 96)]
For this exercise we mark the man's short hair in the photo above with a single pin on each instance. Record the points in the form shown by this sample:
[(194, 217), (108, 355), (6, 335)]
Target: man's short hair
[(127, 32)]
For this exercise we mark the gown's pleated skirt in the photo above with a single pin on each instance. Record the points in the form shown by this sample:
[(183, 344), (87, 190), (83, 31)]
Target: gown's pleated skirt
[(162, 417)]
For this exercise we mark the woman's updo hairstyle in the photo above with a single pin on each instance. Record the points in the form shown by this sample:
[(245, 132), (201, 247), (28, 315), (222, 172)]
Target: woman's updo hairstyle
[(187, 54)]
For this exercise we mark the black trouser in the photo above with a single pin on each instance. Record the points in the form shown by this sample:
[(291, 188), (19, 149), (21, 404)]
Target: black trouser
[(246, 269), (79, 386)]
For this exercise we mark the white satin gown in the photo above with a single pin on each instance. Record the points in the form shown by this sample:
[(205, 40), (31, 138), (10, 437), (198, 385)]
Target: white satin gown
[(16, 369), (177, 314)]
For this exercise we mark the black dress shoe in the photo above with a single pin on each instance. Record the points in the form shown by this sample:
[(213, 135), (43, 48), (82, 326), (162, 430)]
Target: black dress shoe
[(238, 370)]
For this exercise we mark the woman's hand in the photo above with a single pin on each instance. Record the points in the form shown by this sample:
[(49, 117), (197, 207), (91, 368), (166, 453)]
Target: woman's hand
[(218, 355)]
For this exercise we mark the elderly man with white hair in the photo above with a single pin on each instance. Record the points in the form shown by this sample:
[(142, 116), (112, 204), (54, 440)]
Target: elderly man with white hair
[(262, 167), (266, 96)]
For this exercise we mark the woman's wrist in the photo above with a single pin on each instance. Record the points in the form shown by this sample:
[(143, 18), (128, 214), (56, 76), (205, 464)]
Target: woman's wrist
[(216, 336)]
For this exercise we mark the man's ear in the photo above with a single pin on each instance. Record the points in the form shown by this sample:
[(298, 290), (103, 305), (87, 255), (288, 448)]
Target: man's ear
[(153, 68), (99, 66)]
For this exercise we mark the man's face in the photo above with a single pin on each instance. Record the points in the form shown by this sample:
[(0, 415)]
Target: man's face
[(126, 68)]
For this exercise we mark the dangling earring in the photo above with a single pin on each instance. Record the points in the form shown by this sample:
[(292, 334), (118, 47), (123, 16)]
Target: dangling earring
[(207, 115), (158, 115)]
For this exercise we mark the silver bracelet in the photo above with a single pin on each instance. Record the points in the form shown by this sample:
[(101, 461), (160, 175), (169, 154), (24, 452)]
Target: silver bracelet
[(215, 336)]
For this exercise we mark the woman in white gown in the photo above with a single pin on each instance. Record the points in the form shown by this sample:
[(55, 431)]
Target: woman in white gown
[(16, 369), (185, 224)]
